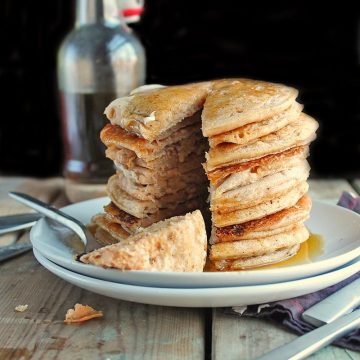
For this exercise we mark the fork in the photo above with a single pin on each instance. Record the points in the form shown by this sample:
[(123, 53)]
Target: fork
[(57, 215)]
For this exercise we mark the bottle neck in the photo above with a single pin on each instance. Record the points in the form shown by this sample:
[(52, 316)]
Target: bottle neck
[(97, 11)]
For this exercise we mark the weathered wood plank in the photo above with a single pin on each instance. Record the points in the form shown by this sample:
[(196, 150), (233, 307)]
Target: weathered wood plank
[(127, 331), (328, 190), (246, 338)]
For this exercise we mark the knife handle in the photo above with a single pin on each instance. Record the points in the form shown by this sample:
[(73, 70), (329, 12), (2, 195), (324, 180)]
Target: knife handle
[(314, 340), (338, 304)]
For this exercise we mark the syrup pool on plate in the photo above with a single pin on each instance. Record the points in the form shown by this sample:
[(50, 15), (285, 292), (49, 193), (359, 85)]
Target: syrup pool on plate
[(308, 251)]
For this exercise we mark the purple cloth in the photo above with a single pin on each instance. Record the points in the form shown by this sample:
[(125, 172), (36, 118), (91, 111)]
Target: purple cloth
[(288, 312)]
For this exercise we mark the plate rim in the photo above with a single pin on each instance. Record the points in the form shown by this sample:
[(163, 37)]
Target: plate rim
[(273, 271), (354, 263)]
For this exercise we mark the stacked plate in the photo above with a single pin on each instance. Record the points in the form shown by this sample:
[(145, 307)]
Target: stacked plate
[(337, 257)]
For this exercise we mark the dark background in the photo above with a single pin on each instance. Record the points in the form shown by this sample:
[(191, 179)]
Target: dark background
[(313, 49)]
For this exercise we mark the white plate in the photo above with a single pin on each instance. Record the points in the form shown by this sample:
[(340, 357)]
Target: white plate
[(339, 227), (206, 297)]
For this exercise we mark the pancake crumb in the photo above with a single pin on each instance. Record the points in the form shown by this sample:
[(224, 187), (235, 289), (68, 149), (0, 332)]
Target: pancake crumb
[(21, 308), (81, 313)]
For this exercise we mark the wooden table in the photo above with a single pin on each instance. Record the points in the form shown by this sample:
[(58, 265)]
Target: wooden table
[(128, 330)]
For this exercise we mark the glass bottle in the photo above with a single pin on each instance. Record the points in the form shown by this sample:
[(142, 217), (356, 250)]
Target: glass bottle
[(98, 61)]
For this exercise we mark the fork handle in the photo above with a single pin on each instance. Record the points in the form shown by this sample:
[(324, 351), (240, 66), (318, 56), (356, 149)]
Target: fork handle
[(51, 213), (314, 340)]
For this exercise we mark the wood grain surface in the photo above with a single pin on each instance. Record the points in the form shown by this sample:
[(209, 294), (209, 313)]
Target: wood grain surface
[(127, 330)]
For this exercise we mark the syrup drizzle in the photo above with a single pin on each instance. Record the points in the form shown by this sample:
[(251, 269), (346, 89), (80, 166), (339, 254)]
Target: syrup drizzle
[(309, 250)]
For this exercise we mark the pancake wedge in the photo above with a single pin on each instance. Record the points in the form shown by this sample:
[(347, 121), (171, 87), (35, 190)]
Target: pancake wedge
[(177, 244)]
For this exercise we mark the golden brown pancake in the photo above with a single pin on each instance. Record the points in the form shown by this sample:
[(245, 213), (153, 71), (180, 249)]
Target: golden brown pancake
[(131, 223), (236, 102), (271, 224), (251, 132), (143, 208), (232, 195), (263, 165), (298, 133), (151, 113), (115, 136), (250, 248), (257, 261), (164, 186), (256, 212), (108, 232)]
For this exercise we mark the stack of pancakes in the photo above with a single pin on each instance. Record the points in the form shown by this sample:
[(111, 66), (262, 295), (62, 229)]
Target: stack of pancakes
[(257, 168), (154, 138)]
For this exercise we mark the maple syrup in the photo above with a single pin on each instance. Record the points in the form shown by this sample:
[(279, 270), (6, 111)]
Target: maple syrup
[(308, 251)]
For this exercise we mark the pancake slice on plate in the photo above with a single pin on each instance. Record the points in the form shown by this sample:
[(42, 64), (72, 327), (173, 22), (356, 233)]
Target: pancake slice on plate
[(177, 244)]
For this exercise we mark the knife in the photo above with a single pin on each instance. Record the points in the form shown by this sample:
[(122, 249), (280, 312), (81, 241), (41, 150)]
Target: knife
[(328, 314), (8, 252), (17, 222), (314, 340), (340, 303)]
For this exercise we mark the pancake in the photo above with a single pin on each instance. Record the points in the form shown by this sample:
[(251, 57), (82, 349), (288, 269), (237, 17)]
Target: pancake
[(290, 168), (255, 169), (239, 195), (149, 114), (257, 261), (298, 133), (132, 224), (172, 158), (177, 244), (272, 206), (250, 248), (236, 102), (108, 232), (164, 186), (144, 176), (143, 208), (251, 132), (115, 136), (265, 226)]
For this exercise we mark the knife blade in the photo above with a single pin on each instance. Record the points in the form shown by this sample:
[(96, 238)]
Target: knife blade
[(17, 222), (334, 306), (8, 252), (314, 340), (328, 316)]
